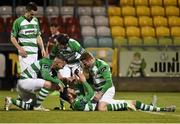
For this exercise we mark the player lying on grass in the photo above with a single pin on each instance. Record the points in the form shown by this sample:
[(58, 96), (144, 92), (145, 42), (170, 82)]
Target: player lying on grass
[(40, 75), (83, 101)]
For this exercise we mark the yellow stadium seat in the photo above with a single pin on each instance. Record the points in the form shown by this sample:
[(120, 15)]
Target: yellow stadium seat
[(157, 11), (141, 2), (160, 21), (128, 11), (130, 21), (148, 41), (134, 41), (126, 2), (142, 11), (113, 11), (119, 41), (147, 32), (145, 21), (132, 31), (176, 41), (115, 21), (178, 2), (155, 2), (174, 21), (172, 11), (117, 31), (162, 32), (170, 2), (175, 31)]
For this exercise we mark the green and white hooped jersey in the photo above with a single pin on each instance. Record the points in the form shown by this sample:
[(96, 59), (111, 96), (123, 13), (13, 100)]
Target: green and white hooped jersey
[(26, 32)]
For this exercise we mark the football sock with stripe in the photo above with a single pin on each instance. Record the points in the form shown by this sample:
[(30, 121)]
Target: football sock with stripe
[(43, 93)]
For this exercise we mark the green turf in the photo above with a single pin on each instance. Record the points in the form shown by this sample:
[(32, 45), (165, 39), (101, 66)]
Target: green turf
[(18, 116)]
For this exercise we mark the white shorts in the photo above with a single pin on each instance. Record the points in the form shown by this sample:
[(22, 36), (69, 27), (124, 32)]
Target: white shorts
[(25, 62), (108, 95), (68, 70)]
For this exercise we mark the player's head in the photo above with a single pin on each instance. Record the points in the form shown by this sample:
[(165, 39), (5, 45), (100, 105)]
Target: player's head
[(87, 59), (54, 28), (68, 94), (137, 56), (31, 9), (59, 62), (63, 40)]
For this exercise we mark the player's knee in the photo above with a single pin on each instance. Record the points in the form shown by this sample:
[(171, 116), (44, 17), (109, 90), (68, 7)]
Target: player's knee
[(102, 106), (47, 84)]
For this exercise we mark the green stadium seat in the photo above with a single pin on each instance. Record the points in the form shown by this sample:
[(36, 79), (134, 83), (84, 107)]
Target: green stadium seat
[(165, 41), (134, 41), (90, 42), (150, 41), (119, 41), (176, 41)]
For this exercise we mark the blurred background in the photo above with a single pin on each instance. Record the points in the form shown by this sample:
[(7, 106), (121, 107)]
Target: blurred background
[(140, 39)]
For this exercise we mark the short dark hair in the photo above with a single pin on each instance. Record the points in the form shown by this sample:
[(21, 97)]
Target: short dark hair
[(31, 6), (64, 94), (63, 39), (60, 56)]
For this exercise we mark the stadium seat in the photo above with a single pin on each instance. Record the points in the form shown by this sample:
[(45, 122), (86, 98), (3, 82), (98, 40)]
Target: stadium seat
[(162, 32), (126, 2), (119, 41), (43, 20), (56, 20), (130, 21), (165, 41), (101, 21), (90, 42), (170, 2), (157, 11), (172, 11), (103, 31), (9, 23), (62, 29), (160, 21), (20, 10), (40, 11), (147, 32), (86, 20), (84, 2), (117, 31), (99, 11), (175, 31), (67, 10), (45, 30), (145, 21), (52, 11), (2, 28), (150, 41), (105, 42), (72, 29), (174, 21), (5, 10), (88, 31), (178, 2), (142, 11), (128, 11), (135, 41), (76, 36), (72, 21), (82, 11), (141, 2), (176, 41), (155, 2), (115, 21), (114, 11), (132, 31)]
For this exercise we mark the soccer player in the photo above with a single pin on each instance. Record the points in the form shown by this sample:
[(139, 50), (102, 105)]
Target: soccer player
[(26, 37), (71, 50), (54, 28), (100, 78), (83, 101), (41, 75)]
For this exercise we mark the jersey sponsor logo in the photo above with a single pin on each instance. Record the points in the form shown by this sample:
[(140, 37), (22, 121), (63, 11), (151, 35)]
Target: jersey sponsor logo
[(29, 31), (103, 69)]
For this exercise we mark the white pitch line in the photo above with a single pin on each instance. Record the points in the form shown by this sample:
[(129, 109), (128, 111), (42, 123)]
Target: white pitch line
[(159, 113)]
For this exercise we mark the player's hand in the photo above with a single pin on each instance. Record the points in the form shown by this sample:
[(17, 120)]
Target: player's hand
[(81, 77), (43, 53), (98, 96), (22, 52)]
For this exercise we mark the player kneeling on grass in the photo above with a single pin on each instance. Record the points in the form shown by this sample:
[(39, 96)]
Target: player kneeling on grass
[(80, 102), (40, 75)]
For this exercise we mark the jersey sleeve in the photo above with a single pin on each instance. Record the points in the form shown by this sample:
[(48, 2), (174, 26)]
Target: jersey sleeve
[(15, 29), (53, 52), (89, 93), (38, 28), (106, 73), (74, 45)]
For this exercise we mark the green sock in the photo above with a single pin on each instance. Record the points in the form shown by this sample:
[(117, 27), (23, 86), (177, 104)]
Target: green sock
[(145, 107), (43, 93), (21, 104), (117, 106)]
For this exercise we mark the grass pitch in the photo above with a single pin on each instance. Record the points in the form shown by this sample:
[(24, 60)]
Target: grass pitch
[(16, 115)]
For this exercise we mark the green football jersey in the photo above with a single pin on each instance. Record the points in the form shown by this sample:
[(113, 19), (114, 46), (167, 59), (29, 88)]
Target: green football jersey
[(71, 53), (101, 76), (26, 33), (40, 69)]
